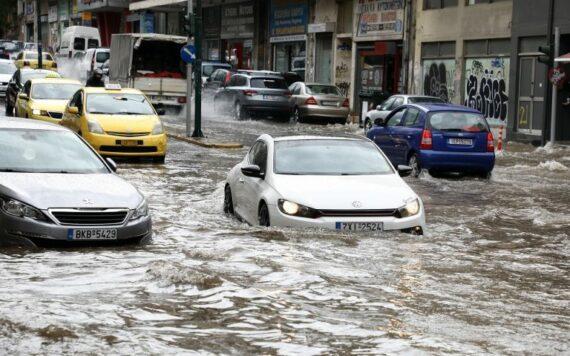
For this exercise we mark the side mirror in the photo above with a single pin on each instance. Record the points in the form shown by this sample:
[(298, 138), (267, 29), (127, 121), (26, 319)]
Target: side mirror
[(161, 111), (404, 170), (379, 121), (73, 110), (23, 96), (111, 164), (379, 108), (252, 170)]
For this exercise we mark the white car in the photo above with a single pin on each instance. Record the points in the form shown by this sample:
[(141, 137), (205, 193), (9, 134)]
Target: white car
[(322, 182)]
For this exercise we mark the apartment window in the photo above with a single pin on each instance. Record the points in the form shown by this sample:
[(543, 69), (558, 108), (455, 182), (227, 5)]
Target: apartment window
[(344, 23), (482, 48), (438, 49), (475, 2), (438, 4)]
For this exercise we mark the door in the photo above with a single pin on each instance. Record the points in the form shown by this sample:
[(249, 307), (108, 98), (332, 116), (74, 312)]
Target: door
[(532, 88), (407, 135), (323, 58), (252, 187), (382, 135)]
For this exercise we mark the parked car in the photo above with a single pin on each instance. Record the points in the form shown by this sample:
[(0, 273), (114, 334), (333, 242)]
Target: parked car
[(16, 84), (436, 137), (54, 188), (250, 93), (343, 184), (7, 69), (393, 102), (219, 79), (318, 101)]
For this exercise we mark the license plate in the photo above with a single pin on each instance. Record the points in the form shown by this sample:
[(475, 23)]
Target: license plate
[(360, 226), (271, 97), (92, 234), (460, 141), (129, 143), (330, 103)]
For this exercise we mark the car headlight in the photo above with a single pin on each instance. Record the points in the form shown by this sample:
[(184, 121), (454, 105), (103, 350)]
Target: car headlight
[(294, 209), (157, 129), (17, 208), (411, 208), (94, 127), (141, 211), (39, 112)]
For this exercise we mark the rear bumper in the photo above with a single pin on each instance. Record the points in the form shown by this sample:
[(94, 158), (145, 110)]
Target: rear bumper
[(323, 111), (458, 161), (268, 107)]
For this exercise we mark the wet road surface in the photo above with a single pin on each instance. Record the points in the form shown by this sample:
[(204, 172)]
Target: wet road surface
[(490, 276)]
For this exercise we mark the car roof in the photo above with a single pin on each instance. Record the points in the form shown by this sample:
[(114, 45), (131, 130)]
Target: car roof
[(55, 80), (18, 123), (91, 90), (312, 137), (444, 107), (29, 52), (27, 69)]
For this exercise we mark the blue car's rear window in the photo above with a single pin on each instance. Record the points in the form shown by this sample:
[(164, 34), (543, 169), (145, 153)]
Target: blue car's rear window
[(457, 121)]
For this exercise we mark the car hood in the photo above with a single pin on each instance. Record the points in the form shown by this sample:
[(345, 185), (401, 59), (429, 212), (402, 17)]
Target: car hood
[(50, 105), (5, 78), (126, 123), (47, 190), (341, 192)]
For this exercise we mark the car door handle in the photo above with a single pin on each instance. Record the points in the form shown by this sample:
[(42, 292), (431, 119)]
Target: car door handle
[(241, 180)]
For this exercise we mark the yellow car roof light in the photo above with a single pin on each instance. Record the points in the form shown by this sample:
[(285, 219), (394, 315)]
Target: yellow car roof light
[(113, 86), (53, 76)]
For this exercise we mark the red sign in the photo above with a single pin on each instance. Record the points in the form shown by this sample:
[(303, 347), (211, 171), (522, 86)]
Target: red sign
[(557, 76)]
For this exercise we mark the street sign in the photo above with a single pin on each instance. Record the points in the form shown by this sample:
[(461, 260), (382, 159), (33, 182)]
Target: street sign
[(188, 54)]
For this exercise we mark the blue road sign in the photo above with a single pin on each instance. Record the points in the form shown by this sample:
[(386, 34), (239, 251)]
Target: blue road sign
[(188, 53)]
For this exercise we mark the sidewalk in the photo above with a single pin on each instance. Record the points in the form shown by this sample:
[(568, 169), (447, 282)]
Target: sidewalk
[(177, 134)]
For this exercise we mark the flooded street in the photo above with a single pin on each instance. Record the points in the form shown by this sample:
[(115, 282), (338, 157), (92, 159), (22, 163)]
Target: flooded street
[(492, 274)]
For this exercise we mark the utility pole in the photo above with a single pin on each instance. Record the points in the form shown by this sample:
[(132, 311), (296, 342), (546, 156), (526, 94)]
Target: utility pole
[(198, 71), (554, 89), (39, 36), (189, 79), (550, 23)]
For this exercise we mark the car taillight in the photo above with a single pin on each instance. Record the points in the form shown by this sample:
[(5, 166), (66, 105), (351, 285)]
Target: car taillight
[(249, 92), (426, 143), (311, 101), (228, 77), (346, 103), (181, 100), (490, 142)]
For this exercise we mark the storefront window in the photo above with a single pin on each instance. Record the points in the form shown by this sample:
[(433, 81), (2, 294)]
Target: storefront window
[(290, 57)]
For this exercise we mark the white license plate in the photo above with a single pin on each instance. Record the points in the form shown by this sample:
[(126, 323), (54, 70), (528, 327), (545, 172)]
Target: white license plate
[(360, 226), (92, 234), (272, 97), (461, 141), (330, 103)]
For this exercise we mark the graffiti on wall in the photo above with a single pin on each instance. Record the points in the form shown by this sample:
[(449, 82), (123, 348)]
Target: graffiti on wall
[(486, 87), (439, 77), (342, 66)]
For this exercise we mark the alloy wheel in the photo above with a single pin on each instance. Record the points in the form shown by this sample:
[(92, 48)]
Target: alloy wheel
[(415, 164), (263, 215), (228, 202)]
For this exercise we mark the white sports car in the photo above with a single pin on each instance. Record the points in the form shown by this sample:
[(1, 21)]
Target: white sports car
[(323, 182)]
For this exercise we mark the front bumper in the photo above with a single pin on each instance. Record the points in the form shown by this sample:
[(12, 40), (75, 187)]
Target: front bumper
[(3, 89), (278, 218), (472, 162), (318, 111), (143, 146), (24, 231)]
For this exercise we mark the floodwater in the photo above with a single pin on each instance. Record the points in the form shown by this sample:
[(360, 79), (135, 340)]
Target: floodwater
[(490, 276)]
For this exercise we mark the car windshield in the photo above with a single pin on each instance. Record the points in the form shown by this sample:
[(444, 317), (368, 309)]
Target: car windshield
[(34, 55), (103, 56), (329, 157), (424, 99), (122, 104), (322, 90), (269, 83), (7, 68), (46, 151), (54, 91), (35, 74), (458, 121)]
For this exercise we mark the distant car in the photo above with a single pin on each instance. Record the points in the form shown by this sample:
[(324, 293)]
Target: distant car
[(30, 46), (313, 100), (30, 59), (219, 79), (208, 68), (54, 188), (392, 103), (436, 137), (16, 84), (343, 184), (94, 59), (7, 69), (254, 93)]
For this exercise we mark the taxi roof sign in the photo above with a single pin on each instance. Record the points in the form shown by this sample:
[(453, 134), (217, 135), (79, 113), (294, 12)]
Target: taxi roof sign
[(53, 76), (113, 86)]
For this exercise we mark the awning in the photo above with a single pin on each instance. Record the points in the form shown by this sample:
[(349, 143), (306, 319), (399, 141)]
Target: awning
[(164, 5), (563, 59)]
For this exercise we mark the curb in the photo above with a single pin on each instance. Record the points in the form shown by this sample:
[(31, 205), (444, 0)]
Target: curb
[(204, 143)]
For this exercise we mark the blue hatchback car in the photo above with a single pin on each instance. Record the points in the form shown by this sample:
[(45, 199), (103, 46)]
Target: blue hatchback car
[(436, 137)]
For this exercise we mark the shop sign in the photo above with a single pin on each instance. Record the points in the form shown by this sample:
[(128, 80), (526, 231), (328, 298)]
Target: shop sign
[(237, 21), (84, 5), (380, 17), (321, 27), (288, 17), (211, 21), (148, 22), (52, 13), (292, 38), (63, 10)]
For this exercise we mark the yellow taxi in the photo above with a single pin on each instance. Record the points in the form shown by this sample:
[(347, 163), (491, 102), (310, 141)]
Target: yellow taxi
[(46, 98), (30, 59), (117, 122)]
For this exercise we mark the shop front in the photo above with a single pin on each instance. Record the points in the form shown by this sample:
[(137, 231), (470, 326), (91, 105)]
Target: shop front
[(288, 35), (237, 33), (211, 26)]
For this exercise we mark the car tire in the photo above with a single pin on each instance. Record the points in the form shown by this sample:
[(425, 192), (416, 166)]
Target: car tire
[(296, 116), (341, 121), (9, 109), (263, 215), (228, 201), (414, 162), (367, 125), (484, 175), (239, 112), (159, 160)]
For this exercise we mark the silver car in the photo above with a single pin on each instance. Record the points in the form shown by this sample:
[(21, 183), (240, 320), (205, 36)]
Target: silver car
[(323, 101), (54, 189)]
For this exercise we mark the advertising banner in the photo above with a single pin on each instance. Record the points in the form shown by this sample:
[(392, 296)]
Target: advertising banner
[(288, 17), (237, 21), (380, 17)]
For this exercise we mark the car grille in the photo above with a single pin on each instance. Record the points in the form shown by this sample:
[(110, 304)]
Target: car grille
[(128, 134), (90, 217), (356, 213), (129, 149), (55, 115)]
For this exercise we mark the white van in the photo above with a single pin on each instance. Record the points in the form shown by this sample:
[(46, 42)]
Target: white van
[(78, 38)]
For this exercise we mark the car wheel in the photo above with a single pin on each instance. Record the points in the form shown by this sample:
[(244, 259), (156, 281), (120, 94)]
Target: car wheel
[(159, 160), (296, 118), (264, 215), (9, 109), (238, 112), (228, 201), (341, 121), (367, 125), (414, 162), (484, 175)]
